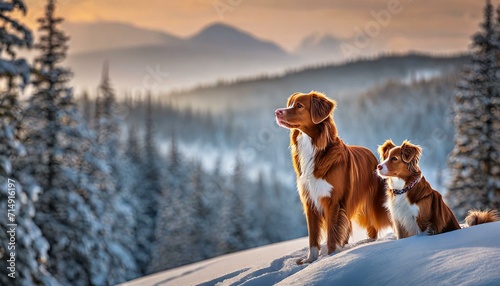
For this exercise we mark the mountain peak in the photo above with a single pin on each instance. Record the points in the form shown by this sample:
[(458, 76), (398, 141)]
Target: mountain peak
[(220, 34), (219, 27), (221, 31)]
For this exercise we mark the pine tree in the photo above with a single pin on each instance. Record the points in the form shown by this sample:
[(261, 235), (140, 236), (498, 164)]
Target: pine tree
[(175, 221), (86, 108), (13, 35), (106, 115), (51, 96), (68, 209), (134, 148), (149, 196), (287, 207), (223, 227), (203, 214), (263, 214), (219, 217), (31, 250), (115, 187), (474, 173), (240, 220)]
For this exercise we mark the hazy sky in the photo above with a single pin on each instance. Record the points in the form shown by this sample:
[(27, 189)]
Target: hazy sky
[(426, 25)]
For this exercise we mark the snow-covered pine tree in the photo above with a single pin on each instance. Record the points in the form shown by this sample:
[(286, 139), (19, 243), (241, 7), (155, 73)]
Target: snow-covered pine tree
[(149, 196), (265, 204), (132, 177), (204, 205), (86, 108), (473, 161), (274, 208), (134, 148), (106, 114), (173, 243), (116, 192), (13, 35), (68, 207), (218, 221), (31, 250), (287, 208), (223, 228), (31, 246), (282, 208), (239, 189), (235, 224)]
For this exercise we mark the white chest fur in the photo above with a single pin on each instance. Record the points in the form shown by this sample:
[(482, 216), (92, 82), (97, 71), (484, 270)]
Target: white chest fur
[(315, 188), (403, 211), (396, 183)]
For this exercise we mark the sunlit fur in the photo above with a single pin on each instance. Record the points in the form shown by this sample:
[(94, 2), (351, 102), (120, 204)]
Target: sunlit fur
[(421, 209), (316, 188), (338, 182), (475, 217)]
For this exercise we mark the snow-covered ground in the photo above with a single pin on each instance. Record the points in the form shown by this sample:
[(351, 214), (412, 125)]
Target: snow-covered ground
[(469, 256)]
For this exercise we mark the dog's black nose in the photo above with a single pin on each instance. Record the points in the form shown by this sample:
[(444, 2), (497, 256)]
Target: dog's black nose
[(379, 167)]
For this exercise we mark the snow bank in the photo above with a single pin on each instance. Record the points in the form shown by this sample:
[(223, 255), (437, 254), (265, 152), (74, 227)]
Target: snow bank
[(464, 257), (223, 267)]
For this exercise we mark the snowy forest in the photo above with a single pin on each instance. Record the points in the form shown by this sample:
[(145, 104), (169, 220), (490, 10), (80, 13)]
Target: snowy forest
[(103, 186), (94, 200)]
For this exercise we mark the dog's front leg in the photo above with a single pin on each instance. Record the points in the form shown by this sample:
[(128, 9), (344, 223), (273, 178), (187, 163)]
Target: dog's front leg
[(400, 231), (338, 226), (313, 228)]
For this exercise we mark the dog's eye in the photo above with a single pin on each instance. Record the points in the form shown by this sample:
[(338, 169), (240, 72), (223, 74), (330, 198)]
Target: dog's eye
[(299, 105), (394, 159)]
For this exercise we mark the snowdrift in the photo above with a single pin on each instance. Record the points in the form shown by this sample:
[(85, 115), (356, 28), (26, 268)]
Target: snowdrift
[(468, 256)]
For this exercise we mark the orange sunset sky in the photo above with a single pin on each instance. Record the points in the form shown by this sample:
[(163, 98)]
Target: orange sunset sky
[(442, 26)]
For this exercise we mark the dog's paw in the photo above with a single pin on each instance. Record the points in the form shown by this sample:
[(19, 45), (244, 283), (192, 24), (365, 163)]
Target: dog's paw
[(313, 255), (306, 260), (300, 261), (430, 230)]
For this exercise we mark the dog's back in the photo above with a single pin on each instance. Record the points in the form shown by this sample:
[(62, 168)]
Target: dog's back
[(369, 190), (435, 216)]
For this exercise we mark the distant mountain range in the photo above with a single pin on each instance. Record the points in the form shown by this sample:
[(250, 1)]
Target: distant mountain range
[(140, 59), (344, 81), (93, 37)]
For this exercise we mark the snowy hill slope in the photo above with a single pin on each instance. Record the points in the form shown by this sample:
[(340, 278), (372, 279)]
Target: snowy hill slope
[(465, 257)]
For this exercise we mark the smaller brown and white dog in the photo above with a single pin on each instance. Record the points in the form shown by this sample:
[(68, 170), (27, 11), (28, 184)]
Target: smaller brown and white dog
[(415, 207)]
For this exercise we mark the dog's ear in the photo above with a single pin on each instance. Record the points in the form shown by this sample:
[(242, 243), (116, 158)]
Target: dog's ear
[(321, 107), (291, 99), (383, 150), (410, 154)]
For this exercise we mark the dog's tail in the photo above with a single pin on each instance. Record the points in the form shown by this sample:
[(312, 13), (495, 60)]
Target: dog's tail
[(475, 217)]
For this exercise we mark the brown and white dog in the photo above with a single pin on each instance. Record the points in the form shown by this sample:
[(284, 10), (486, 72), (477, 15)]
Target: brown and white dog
[(336, 182), (415, 207)]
